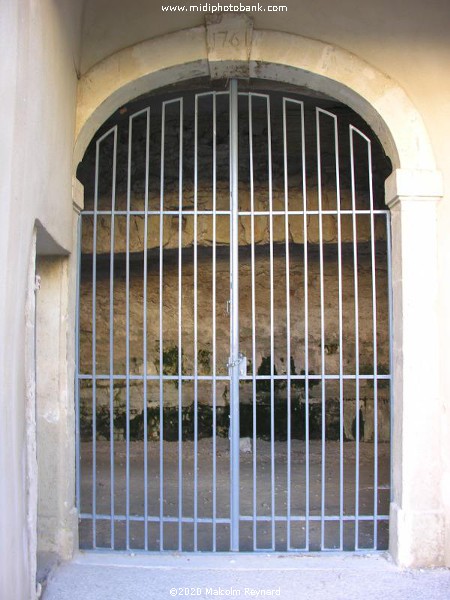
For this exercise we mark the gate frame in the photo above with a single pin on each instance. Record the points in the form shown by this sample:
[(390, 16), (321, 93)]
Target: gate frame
[(416, 529)]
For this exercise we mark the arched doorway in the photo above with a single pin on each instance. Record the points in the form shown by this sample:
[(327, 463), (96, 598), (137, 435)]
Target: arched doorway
[(234, 354), (411, 192)]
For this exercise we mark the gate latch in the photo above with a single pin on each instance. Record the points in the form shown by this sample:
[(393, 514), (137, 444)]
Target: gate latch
[(242, 362), (242, 365)]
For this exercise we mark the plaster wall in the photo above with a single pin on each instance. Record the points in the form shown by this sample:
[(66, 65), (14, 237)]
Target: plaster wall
[(39, 49), (37, 95)]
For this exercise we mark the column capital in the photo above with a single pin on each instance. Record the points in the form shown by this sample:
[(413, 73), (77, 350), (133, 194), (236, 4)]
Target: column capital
[(77, 195), (413, 184)]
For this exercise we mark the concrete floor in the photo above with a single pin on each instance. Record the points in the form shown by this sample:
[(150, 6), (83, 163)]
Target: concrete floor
[(265, 495), (114, 576)]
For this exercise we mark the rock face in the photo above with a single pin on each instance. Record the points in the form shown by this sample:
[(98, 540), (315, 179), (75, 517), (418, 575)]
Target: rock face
[(180, 237), (168, 352), (131, 231)]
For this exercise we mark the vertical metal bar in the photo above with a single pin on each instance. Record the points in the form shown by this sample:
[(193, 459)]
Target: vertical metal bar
[(322, 329), (77, 371), (144, 328), (161, 362), (94, 351), (214, 299), (253, 283), (234, 285), (127, 324), (288, 328), (272, 320), (180, 349), (127, 340), (306, 308), (355, 277), (340, 337), (196, 326), (288, 316), (391, 358), (375, 349), (111, 339)]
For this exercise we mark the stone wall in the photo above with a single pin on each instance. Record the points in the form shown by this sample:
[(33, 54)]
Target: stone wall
[(170, 345), (137, 242)]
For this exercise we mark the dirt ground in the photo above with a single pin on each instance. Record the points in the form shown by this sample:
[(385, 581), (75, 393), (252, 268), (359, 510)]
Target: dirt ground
[(271, 493)]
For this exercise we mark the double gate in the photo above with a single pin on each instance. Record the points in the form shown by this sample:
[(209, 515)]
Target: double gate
[(234, 328)]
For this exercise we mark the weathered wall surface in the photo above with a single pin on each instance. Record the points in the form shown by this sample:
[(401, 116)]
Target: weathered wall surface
[(37, 95), (170, 348), (56, 514)]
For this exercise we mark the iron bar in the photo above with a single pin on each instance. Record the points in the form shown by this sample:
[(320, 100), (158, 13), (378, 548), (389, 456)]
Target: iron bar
[(214, 325), (356, 301), (288, 327), (242, 213), (144, 325), (111, 338), (322, 327), (245, 518), (306, 311), (127, 338), (340, 341), (180, 337), (253, 284), (330, 376), (374, 333), (94, 352), (161, 342), (272, 320), (234, 291), (195, 326)]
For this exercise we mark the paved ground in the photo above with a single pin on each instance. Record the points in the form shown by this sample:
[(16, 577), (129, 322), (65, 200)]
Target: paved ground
[(327, 577)]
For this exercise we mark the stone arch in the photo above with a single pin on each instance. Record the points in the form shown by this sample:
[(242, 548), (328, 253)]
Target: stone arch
[(277, 56), (416, 528)]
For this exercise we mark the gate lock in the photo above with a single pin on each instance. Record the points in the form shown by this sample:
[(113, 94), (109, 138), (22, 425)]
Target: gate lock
[(242, 362)]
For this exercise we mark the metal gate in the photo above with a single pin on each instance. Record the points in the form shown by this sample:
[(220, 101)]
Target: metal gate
[(233, 373)]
